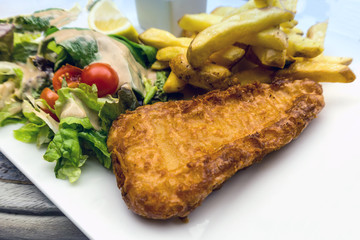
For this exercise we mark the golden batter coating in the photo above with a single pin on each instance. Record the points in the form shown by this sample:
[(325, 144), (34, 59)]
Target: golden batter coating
[(168, 157)]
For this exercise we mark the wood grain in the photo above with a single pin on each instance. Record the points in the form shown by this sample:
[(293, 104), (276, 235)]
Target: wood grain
[(25, 199), (13, 226), (25, 213), (8, 172)]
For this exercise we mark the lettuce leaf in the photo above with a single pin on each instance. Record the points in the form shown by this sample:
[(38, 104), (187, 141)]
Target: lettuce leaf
[(109, 112), (80, 133), (78, 51), (22, 51), (161, 78), (82, 50), (143, 54), (11, 113), (28, 23), (74, 136), (10, 105), (65, 149), (10, 71), (6, 41), (33, 133), (36, 130), (96, 142), (79, 102), (155, 92)]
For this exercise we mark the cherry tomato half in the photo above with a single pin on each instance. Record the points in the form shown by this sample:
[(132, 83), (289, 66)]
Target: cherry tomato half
[(71, 74), (50, 97), (103, 76)]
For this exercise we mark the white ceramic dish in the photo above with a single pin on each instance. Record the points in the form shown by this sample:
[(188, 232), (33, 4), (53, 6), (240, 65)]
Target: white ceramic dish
[(308, 190)]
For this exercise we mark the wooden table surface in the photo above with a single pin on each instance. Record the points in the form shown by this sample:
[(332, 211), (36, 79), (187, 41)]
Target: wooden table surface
[(25, 213)]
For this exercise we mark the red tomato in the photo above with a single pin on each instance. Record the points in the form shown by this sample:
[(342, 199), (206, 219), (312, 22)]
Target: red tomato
[(50, 97), (103, 76), (71, 74), (51, 114)]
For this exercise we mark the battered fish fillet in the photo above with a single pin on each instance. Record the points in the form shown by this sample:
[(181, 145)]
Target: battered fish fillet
[(169, 156)]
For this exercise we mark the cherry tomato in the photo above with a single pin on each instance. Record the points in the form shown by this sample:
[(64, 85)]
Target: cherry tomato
[(71, 74), (50, 97), (103, 76), (51, 114)]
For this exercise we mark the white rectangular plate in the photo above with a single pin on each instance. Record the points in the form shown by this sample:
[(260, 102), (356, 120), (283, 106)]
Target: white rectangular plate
[(310, 189)]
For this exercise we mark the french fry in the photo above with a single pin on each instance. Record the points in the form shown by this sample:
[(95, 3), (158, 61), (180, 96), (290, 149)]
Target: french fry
[(198, 22), (331, 59), (317, 32), (270, 57), (261, 3), (173, 84), (160, 65), (184, 41), (253, 75), (289, 24), (245, 7), (209, 76), (293, 30), (223, 11), (218, 36), (228, 56), (243, 64), (289, 5), (318, 71), (168, 53), (188, 34), (269, 38), (160, 38), (303, 47)]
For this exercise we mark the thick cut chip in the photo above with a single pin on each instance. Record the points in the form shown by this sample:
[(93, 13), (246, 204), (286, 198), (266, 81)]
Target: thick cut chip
[(223, 11), (209, 76), (160, 65), (317, 32), (168, 53), (289, 24), (303, 47), (173, 84), (228, 57), (198, 22), (269, 56), (333, 59), (160, 38), (270, 38), (252, 75), (232, 30), (289, 5), (243, 8), (168, 157), (318, 71)]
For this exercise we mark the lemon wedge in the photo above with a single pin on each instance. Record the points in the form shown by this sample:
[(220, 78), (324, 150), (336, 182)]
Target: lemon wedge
[(106, 18)]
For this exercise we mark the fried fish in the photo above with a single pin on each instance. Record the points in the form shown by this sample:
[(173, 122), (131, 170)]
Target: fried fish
[(168, 157)]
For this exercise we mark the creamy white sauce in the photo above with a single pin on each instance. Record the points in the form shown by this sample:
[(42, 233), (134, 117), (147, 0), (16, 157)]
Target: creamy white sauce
[(72, 109), (31, 76), (60, 17), (6, 90), (114, 53)]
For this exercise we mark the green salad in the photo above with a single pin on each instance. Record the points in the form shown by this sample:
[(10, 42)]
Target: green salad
[(67, 85)]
